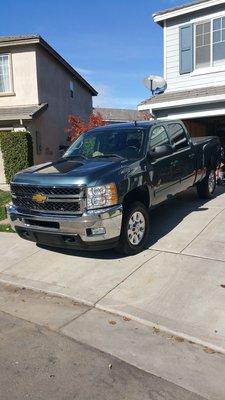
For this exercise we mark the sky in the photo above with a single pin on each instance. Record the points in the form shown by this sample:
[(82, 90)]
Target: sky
[(113, 44)]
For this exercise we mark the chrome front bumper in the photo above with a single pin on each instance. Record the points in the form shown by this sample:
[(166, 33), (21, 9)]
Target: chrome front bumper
[(77, 226)]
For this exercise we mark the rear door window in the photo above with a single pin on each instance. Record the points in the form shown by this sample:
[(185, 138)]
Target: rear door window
[(177, 136)]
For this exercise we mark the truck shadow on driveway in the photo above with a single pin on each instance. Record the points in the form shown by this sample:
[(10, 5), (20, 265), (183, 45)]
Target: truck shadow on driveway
[(163, 220)]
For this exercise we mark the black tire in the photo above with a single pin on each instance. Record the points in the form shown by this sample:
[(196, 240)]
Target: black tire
[(125, 246), (207, 186)]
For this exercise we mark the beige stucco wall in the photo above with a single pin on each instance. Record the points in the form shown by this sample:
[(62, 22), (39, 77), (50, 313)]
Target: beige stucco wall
[(39, 78), (24, 77), (54, 89)]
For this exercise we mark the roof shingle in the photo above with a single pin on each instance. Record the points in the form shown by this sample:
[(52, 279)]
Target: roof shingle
[(21, 112), (168, 10), (185, 94), (119, 114)]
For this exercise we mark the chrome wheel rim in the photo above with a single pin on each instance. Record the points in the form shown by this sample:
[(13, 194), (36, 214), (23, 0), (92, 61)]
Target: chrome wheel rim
[(211, 182), (136, 228)]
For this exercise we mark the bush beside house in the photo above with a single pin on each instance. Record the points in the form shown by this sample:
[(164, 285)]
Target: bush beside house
[(17, 152)]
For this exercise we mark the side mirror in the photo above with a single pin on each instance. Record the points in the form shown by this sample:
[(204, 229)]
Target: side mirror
[(160, 151)]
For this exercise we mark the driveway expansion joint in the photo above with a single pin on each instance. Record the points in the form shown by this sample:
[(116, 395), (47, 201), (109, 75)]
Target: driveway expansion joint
[(59, 330), (205, 227), (21, 259), (128, 276)]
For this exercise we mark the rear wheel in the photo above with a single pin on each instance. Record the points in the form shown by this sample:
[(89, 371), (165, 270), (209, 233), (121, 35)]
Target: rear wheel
[(207, 186), (135, 229)]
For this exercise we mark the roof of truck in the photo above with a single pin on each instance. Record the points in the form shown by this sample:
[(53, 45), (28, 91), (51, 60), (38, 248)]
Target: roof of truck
[(135, 124)]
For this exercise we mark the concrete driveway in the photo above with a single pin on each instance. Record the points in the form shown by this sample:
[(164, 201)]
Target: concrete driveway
[(177, 285)]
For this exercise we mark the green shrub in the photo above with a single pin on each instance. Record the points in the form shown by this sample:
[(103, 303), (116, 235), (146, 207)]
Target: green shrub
[(4, 199), (17, 152), (6, 228)]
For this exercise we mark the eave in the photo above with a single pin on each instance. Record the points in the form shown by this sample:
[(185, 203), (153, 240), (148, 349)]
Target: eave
[(161, 16)]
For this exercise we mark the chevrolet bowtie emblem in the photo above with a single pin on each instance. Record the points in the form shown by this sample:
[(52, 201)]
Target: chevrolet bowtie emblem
[(39, 198)]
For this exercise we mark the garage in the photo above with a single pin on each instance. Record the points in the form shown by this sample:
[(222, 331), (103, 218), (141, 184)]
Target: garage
[(202, 110)]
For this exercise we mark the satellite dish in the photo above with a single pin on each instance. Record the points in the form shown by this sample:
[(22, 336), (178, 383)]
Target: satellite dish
[(156, 84)]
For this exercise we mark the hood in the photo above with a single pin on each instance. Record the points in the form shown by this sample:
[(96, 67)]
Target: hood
[(72, 171)]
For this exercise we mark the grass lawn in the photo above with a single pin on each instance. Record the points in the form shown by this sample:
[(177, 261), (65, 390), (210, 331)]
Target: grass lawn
[(5, 228), (4, 199)]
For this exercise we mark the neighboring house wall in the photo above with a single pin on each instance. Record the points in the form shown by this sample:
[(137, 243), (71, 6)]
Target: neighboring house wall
[(23, 76), (43, 90), (197, 78), (54, 88)]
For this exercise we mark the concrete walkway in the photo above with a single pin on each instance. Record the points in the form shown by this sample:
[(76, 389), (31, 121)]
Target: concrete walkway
[(176, 288)]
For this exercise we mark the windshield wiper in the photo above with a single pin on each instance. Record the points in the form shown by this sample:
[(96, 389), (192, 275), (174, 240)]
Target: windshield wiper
[(76, 156), (108, 156)]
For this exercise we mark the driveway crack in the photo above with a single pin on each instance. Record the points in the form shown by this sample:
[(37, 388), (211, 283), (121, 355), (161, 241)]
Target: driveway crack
[(128, 276)]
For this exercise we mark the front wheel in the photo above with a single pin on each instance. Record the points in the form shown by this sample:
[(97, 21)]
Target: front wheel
[(207, 186), (135, 229)]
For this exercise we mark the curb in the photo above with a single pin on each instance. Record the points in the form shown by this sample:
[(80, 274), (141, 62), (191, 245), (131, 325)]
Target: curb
[(44, 290), (164, 329), (52, 291)]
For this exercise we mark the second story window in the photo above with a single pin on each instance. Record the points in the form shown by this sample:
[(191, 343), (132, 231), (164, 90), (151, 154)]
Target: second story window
[(203, 45), (210, 43), (219, 41), (5, 80), (71, 89)]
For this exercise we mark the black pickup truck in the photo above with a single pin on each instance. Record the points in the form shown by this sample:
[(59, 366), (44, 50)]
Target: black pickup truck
[(98, 194)]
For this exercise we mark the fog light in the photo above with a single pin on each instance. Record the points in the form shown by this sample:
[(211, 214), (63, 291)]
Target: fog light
[(98, 231), (69, 239)]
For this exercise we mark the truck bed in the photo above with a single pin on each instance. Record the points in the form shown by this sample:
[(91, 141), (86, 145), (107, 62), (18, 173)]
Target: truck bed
[(202, 139)]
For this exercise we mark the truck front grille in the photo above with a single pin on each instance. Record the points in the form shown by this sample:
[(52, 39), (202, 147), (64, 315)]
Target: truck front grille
[(47, 190), (67, 200)]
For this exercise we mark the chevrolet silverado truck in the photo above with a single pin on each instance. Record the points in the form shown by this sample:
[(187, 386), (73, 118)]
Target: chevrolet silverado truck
[(98, 195)]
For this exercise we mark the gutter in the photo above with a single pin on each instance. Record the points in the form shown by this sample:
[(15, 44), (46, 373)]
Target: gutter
[(178, 103), (161, 16)]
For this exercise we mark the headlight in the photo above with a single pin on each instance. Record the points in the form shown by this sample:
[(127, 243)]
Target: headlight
[(101, 196)]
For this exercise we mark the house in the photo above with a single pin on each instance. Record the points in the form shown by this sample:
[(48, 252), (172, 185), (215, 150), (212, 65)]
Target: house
[(38, 91), (117, 115), (194, 66)]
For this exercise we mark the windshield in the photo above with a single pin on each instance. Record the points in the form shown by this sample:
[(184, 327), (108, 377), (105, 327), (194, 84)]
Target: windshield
[(124, 143)]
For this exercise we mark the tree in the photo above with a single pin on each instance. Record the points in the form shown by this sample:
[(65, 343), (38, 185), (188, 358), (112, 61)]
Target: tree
[(146, 116), (78, 125)]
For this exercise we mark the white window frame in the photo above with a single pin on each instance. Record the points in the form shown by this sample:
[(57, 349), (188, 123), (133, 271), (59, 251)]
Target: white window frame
[(211, 68), (11, 91), (195, 26)]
